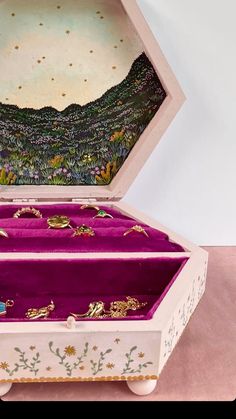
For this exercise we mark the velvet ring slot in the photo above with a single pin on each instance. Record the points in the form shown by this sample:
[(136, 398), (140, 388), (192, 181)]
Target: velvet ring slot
[(105, 234)]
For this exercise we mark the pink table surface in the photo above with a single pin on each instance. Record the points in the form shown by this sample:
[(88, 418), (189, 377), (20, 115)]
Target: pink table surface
[(202, 366)]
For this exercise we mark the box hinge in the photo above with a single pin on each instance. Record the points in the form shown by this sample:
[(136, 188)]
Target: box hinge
[(93, 200), (25, 200), (89, 200)]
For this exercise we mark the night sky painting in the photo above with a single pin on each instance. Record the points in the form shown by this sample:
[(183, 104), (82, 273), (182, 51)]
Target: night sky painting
[(76, 91)]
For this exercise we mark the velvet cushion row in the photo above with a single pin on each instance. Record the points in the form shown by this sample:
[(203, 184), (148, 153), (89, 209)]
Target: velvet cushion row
[(29, 234)]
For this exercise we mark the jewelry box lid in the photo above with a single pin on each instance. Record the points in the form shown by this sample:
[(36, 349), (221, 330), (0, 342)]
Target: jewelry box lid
[(86, 94)]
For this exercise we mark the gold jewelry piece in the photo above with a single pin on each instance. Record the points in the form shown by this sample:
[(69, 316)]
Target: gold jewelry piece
[(136, 229), (95, 310), (118, 309), (59, 222), (84, 231), (5, 306), (28, 210), (103, 214), (88, 206), (40, 313), (3, 233)]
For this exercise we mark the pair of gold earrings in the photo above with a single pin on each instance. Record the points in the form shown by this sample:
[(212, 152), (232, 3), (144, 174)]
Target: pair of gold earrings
[(117, 309)]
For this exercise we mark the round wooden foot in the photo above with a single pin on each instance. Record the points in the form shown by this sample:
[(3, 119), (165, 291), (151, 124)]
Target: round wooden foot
[(142, 388), (4, 388)]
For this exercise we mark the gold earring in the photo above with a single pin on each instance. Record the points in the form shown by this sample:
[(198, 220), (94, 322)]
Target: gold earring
[(5, 306), (40, 313), (96, 310), (121, 308)]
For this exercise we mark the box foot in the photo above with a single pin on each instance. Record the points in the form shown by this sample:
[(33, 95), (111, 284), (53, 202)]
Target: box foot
[(142, 388), (5, 388)]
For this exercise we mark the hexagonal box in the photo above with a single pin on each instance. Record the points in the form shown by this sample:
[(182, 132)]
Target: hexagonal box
[(91, 289)]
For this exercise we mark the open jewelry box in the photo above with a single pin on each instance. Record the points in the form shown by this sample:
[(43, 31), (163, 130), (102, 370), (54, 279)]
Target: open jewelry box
[(85, 96)]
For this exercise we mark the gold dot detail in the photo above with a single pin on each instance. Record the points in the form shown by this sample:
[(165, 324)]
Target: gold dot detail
[(85, 80), (121, 40), (20, 87), (101, 17), (91, 51), (68, 32), (13, 14), (98, 13), (63, 94), (43, 58), (58, 7), (16, 47), (41, 24), (70, 64), (39, 61), (7, 98), (114, 67), (115, 46), (52, 79)]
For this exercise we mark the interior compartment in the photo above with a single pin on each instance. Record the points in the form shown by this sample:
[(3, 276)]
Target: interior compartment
[(30, 234), (73, 284)]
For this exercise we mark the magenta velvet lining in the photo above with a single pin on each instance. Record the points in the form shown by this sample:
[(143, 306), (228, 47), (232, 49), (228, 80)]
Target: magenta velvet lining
[(73, 284), (29, 234)]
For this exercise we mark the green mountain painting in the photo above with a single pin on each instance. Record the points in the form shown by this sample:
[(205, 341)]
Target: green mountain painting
[(81, 145)]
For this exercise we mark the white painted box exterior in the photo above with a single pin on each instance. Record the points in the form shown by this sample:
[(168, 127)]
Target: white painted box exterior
[(107, 351)]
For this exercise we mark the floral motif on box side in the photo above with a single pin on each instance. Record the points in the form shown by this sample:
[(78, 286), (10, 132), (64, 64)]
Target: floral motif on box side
[(72, 358), (31, 365), (183, 314), (132, 366)]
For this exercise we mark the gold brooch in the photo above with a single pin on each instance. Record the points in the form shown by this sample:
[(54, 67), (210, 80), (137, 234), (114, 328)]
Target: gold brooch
[(103, 214), (5, 306), (118, 309), (90, 207), (40, 313), (84, 231), (136, 229), (27, 210), (3, 233), (59, 222)]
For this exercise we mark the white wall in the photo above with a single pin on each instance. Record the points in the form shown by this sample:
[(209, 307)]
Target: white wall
[(189, 183)]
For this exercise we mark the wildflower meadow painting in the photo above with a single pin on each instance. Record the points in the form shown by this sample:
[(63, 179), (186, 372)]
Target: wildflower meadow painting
[(77, 91)]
